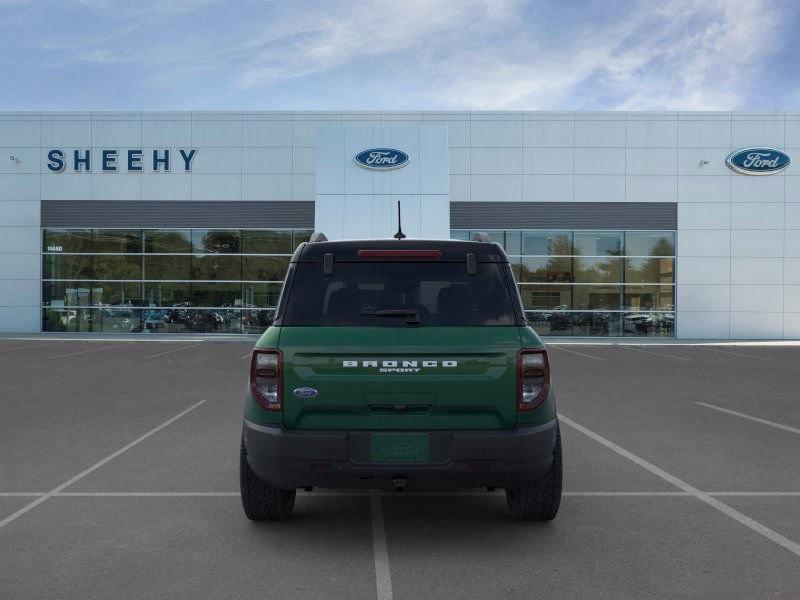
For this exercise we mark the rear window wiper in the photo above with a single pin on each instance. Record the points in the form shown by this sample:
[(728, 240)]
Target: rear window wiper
[(411, 315)]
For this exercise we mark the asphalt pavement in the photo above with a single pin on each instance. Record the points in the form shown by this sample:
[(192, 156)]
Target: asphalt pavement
[(119, 479)]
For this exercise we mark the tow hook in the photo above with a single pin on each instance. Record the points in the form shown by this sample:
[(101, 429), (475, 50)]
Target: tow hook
[(399, 484)]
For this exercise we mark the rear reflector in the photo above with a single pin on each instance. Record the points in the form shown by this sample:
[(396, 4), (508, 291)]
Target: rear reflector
[(400, 254)]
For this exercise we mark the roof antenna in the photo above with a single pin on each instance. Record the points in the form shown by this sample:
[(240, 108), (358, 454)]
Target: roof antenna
[(399, 235)]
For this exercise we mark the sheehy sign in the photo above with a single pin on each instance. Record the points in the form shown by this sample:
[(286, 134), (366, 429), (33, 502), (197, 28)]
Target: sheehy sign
[(133, 160)]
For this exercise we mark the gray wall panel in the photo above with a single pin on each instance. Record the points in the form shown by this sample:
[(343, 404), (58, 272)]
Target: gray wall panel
[(134, 213), (563, 215)]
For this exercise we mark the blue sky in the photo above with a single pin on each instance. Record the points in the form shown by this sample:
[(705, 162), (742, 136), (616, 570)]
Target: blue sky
[(394, 54)]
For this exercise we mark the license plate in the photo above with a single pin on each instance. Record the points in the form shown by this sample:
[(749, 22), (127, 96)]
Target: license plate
[(400, 448)]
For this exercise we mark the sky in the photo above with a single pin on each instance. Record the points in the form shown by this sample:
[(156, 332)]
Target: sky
[(400, 55)]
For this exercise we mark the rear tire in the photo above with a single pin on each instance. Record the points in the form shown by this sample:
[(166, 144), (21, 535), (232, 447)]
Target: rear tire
[(539, 501), (260, 500)]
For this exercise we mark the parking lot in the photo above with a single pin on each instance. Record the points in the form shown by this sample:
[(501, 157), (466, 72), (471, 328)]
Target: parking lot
[(119, 479)]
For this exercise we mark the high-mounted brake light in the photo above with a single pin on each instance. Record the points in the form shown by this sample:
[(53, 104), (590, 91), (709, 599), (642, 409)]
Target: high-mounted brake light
[(400, 254), (265, 378), (533, 378)]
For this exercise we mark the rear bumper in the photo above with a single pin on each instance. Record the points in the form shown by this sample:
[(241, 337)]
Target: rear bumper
[(291, 459)]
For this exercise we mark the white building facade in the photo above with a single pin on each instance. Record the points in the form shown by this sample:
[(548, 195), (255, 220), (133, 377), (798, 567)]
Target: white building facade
[(617, 224)]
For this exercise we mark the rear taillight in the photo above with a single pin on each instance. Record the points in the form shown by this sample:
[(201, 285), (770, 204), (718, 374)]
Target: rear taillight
[(265, 378), (533, 378)]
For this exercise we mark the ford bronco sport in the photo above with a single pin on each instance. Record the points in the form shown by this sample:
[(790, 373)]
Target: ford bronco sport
[(394, 364)]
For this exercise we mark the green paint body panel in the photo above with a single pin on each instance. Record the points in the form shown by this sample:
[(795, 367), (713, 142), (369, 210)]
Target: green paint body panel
[(478, 392)]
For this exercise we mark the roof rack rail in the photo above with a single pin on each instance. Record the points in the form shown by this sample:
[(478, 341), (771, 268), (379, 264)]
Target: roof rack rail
[(317, 236), (481, 236)]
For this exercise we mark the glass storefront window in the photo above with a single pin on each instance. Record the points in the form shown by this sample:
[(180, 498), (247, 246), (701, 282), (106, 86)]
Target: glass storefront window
[(167, 293), (67, 240), (545, 270), (267, 242), (261, 294), (117, 240), (650, 243), (117, 266), (177, 267), (649, 297), (598, 270), (225, 241), (216, 267), (598, 243), (164, 280), (216, 294), (265, 268), (545, 297), (582, 283), (546, 243), (67, 266), (597, 297), (167, 241), (650, 270)]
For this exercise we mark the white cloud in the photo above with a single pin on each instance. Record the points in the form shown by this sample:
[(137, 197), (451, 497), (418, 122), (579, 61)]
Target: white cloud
[(475, 54)]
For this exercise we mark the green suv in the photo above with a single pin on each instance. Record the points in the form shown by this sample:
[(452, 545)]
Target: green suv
[(400, 364)]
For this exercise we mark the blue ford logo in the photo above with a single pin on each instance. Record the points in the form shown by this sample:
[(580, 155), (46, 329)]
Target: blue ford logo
[(381, 159), (305, 392), (758, 161)]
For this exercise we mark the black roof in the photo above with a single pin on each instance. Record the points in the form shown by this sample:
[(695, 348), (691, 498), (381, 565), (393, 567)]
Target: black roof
[(452, 250)]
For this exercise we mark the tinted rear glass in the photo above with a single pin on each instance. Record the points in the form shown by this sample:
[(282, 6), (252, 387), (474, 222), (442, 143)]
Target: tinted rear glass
[(438, 294)]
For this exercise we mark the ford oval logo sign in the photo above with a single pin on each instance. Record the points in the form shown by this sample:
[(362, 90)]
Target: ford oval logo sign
[(381, 159), (305, 392), (758, 161)]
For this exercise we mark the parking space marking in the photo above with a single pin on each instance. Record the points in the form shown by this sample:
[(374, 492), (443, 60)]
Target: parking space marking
[(383, 578), (194, 345), (656, 353), (248, 355), (94, 467), (742, 354), (90, 350), (573, 352), (731, 512), (751, 418)]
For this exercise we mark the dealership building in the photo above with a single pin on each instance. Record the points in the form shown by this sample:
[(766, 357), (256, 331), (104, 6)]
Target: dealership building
[(620, 224)]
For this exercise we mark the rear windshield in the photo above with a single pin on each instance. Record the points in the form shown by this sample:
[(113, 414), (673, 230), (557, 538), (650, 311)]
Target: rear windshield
[(390, 294)]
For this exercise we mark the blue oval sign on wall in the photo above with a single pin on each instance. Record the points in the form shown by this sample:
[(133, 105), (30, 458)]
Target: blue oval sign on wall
[(758, 161), (381, 159)]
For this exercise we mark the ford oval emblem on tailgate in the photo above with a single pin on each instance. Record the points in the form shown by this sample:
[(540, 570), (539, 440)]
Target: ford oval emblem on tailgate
[(305, 392)]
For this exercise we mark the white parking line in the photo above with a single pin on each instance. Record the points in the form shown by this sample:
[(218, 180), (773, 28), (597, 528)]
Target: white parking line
[(734, 514), (656, 353), (742, 354), (751, 418), (383, 578), (573, 352), (94, 467), (147, 494), (91, 350), (171, 351), (248, 355)]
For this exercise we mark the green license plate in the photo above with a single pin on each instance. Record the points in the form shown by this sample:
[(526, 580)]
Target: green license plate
[(400, 448)]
